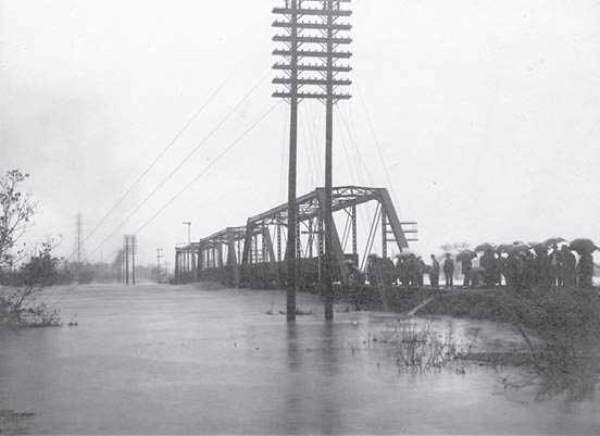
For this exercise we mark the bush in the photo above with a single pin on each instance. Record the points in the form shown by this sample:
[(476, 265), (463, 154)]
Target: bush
[(18, 302)]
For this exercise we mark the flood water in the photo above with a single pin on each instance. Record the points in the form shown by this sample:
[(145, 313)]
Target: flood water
[(165, 359)]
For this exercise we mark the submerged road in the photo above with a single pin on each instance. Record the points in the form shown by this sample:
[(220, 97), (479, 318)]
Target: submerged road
[(177, 359)]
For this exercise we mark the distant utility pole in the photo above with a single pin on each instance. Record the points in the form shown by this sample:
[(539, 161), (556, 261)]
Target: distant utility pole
[(126, 258), (159, 256), (133, 250), (189, 231), (313, 30), (129, 252), (79, 243)]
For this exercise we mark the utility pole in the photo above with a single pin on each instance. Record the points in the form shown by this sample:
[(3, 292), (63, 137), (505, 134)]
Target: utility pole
[(79, 245), (129, 252), (79, 234), (159, 255), (133, 247), (118, 266), (189, 231), (314, 30), (126, 249), (291, 26)]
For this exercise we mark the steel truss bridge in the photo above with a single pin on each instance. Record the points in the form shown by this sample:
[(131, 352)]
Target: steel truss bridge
[(254, 255)]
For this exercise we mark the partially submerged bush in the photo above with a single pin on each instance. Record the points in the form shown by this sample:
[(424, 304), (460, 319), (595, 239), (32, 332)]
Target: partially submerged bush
[(418, 348), (560, 326), (567, 320), (19, 305)]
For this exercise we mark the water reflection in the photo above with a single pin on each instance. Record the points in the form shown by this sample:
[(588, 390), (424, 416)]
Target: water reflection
[(293, 355), (328, 412), (293, 397), (181, 362)]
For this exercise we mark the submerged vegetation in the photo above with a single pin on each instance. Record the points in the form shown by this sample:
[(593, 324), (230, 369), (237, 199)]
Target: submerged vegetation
[(420, 349), (12, 422), (560, 326), (19, 302)]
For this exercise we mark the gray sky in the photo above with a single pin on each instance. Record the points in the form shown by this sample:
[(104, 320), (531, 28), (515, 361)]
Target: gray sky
[(487, 115)]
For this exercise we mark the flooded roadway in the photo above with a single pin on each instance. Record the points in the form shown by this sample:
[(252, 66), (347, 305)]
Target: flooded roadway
[(159, 359)]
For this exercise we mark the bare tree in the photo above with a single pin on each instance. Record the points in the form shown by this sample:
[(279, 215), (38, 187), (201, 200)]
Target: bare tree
[(18, 305), (16, 210)]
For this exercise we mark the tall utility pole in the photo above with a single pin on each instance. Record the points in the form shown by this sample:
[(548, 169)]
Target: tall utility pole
[(291, 39), (314, 30)]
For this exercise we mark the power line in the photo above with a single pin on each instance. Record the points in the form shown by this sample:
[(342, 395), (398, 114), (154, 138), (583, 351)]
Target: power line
[(160, 155), (209, 166), (362, 167), (184, 160), (377, 144)]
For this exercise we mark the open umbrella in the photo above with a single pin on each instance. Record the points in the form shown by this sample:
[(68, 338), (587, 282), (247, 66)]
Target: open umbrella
[(505, 248), (485, 247), (521, 247), (465, 255), (554, 241), (539, 247), (516, 247), (583, 245)]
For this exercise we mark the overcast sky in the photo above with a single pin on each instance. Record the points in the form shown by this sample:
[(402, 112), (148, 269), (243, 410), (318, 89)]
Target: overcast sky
[(486, 114)]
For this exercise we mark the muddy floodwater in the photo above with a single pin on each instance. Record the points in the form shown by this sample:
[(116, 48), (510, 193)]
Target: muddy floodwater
[(160, 359)]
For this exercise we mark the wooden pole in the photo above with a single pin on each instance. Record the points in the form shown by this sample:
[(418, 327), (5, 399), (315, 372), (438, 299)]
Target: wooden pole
[(329, 169), (126, 259), (292, 273)]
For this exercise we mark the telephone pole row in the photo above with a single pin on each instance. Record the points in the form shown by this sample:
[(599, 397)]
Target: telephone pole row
[(312, 32)]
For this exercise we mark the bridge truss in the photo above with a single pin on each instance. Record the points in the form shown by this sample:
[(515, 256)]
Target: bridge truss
[(254, 255)]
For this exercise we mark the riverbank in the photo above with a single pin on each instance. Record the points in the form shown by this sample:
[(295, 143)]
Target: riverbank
[(561, 327)]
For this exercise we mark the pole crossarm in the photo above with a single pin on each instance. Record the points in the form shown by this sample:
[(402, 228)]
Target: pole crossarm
[(311, 37), (313, 12), (314, 68), (314, 54), (312, 25), (312, 95), (319, 82)]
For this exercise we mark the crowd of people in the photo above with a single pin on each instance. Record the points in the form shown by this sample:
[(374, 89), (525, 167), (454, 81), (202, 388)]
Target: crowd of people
[(554, 262)]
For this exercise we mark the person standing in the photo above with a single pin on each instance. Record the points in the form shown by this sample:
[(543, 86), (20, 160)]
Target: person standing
[(543, 274), (434, 273), (488, 263), (449, 271), (568, 268), (586, 270), (421, 270), (372, 270), (555, 260), (466, 264)]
